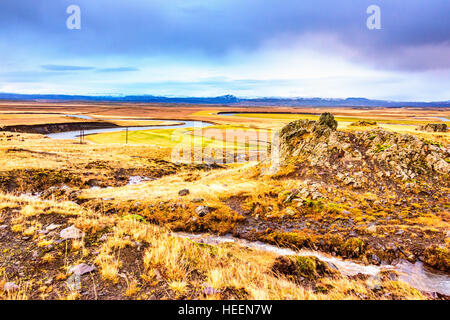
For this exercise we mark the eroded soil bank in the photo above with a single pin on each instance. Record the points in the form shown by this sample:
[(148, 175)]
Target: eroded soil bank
[(58, 127)]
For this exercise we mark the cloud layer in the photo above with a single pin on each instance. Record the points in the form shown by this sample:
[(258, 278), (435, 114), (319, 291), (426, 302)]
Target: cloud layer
[(225, 39)]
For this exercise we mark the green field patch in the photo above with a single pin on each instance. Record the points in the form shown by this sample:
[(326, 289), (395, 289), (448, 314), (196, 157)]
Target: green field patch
[(171, 138)]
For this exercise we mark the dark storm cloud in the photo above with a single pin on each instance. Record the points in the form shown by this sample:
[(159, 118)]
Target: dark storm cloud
[(415, 34)]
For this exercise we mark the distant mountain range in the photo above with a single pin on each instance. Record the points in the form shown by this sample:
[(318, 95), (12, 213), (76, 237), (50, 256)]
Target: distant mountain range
[(228, 100)]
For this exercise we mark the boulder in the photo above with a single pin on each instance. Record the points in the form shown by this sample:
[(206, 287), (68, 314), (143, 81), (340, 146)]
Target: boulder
[(71, 233), (434, 127), (82, 268), (327, 119), (183, 192), (300, 267), (203, 210), (10, 287)]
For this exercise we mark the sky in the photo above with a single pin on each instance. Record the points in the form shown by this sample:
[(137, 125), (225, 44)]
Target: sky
[(247, 48)]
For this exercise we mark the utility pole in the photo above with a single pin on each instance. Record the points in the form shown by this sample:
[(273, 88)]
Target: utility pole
[(126, 135), (81, 135)]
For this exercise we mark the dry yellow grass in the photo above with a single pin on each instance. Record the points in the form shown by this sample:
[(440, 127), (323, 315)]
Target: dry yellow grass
[(176, 261)]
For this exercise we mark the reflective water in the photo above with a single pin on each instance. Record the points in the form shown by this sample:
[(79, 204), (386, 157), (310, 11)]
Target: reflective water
[(76, 133), (81, 116)]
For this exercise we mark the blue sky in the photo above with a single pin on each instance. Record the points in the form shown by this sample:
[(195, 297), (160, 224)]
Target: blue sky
[(249, 48)]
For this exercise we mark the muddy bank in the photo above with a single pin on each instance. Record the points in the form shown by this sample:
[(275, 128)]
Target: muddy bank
[(58, 127)]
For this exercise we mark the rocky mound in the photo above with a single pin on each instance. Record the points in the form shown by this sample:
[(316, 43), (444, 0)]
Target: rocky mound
[(377, 151), (363, 123), (434, 127)]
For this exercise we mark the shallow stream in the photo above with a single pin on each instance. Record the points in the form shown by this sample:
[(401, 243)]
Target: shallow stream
[(415, 274)]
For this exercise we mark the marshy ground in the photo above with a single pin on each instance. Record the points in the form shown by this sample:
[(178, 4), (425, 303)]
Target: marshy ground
[(125, 202)]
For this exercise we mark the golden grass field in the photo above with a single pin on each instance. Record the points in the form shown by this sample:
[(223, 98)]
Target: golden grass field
[(128, 229)]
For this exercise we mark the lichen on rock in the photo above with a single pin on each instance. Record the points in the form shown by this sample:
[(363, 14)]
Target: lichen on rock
[(320, 144)]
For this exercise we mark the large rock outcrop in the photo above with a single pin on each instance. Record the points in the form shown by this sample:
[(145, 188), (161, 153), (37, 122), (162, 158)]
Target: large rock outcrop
[(318, 143)]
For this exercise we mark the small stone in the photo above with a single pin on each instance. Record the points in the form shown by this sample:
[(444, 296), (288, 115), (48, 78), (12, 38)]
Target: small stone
[(376, 259), (197, 200), (10, 287), (183, 192), (104, 237), (290, 212), (193, 219), (392, 276), (93, 183), (332, 266), (372, 229), (374, 283), (71, 233), (52, 227), (202, 210), (210, 291), (82, 268)]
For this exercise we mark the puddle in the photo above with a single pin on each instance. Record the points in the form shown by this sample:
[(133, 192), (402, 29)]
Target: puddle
[(416, 275)]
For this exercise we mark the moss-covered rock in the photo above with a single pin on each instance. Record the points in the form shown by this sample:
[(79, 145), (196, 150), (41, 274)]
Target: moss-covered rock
[(298, 267), (353, 248), (438, 258)]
